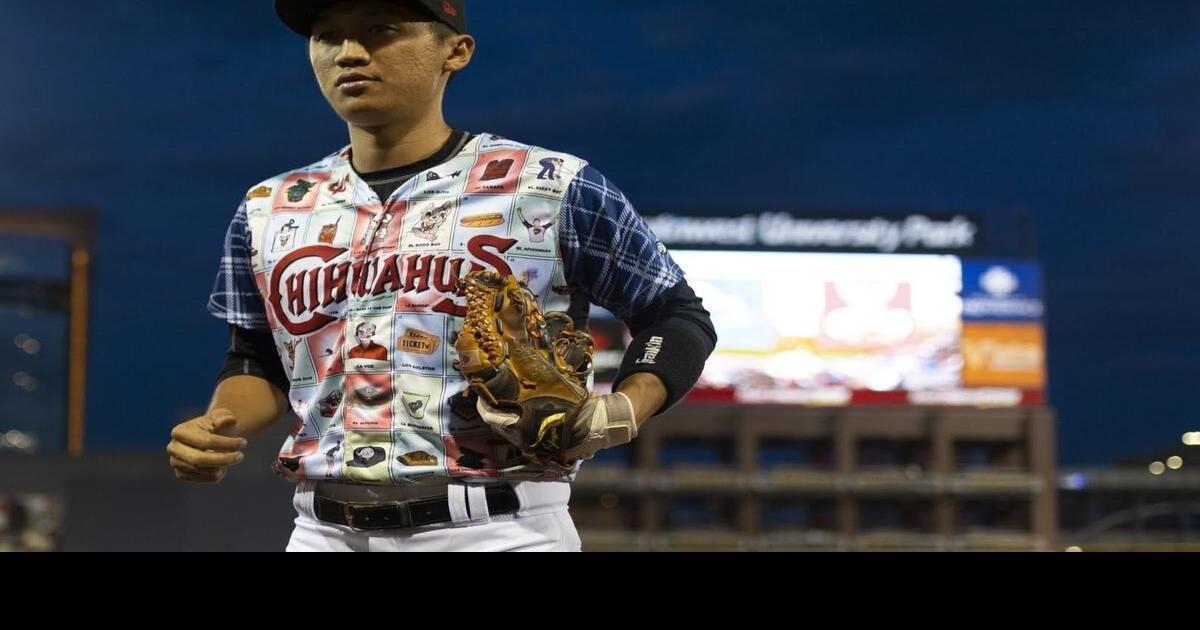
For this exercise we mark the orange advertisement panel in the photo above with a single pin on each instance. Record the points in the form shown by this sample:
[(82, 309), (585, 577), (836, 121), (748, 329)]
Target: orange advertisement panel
[(1004, 355)]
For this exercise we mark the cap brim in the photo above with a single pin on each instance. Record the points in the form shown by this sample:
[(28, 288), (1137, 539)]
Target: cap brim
[(299, 15)]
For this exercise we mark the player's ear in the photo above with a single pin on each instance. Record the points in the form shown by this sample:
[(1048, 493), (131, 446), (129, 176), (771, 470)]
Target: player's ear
[(461, 50)]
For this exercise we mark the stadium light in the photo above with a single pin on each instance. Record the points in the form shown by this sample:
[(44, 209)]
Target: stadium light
[(1157, 468), (1174, 462)]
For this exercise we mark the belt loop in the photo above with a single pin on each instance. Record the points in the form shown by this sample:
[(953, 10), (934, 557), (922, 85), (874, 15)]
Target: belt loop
[(477, 502), (305, 500), (460, 509)]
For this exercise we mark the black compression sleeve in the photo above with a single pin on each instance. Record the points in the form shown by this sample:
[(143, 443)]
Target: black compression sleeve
[(252, 353), (672, 338)]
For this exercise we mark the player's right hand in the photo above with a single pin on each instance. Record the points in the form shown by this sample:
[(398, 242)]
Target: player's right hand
[(202, 449)]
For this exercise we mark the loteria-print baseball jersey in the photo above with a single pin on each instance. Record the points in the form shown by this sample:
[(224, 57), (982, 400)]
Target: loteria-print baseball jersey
[(364, 297)]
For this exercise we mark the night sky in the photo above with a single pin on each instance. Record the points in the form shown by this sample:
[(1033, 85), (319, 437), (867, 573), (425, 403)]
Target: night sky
[(161, 115)]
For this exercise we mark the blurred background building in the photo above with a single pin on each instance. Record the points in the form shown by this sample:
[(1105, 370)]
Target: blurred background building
[(945, 249)]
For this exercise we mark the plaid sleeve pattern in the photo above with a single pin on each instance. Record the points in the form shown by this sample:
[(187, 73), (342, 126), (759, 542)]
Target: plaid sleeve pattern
[(235, 297), (608, 249)]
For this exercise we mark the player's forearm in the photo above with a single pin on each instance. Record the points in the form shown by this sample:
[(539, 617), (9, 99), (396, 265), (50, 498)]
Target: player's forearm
[(255, 402), (672, 339), (646, 392)]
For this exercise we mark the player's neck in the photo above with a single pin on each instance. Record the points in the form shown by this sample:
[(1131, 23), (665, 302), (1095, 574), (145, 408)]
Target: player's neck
[(399, 144)]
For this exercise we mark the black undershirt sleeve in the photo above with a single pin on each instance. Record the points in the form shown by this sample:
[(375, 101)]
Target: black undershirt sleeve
[(252, 353)]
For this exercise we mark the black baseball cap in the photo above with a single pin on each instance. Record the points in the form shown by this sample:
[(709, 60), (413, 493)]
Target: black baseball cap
[(299, 15)]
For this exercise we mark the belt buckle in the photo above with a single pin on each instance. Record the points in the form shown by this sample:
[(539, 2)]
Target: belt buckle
[(403, 509)]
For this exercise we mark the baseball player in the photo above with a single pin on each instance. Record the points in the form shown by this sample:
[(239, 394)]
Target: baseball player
[(309, 279)]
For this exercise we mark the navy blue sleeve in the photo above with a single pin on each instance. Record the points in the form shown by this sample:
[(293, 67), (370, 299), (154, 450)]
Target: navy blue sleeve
[(609, 251), (235, 297)]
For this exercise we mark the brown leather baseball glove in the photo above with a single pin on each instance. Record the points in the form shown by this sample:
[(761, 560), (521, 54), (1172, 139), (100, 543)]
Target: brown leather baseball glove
[(529, 371)]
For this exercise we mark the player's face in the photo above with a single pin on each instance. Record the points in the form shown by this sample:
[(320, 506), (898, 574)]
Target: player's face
[(379, 63)]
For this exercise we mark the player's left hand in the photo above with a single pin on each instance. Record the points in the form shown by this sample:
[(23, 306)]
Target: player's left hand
[(599, 422)]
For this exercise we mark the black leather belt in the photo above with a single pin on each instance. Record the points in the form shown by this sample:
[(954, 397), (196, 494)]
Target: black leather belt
[(370, 517)]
